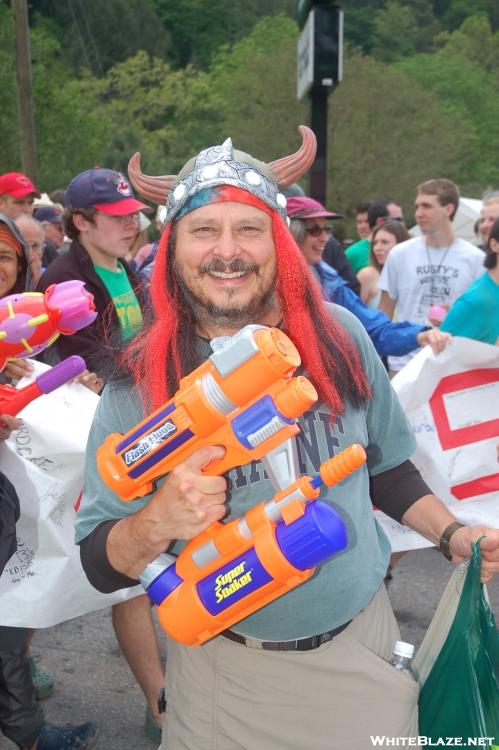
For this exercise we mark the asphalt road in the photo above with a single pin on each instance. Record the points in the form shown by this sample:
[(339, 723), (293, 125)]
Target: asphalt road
[(93, 680)]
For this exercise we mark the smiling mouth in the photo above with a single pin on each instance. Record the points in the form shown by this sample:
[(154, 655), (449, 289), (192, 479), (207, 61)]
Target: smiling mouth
[(233, 275)]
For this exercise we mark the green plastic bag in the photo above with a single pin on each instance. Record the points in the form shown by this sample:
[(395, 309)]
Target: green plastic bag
[(460, 697)]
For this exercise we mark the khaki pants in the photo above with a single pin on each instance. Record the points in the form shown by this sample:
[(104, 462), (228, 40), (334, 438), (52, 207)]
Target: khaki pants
[(225, 696)]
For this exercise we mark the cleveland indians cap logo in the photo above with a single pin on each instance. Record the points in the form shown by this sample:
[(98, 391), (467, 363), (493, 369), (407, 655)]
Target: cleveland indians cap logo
[(123, 186)]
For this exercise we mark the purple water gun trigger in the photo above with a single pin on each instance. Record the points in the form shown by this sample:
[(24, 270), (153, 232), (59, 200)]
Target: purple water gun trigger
[(60, 374)]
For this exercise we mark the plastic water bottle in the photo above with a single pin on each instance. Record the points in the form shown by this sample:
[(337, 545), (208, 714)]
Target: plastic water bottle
[(402, 657)]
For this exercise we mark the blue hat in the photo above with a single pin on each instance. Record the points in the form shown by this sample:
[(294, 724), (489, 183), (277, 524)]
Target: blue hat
[(48, 214), (104, 189)]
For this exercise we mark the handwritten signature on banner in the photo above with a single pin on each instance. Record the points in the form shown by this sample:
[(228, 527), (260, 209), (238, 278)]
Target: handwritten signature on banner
[(43, 582)]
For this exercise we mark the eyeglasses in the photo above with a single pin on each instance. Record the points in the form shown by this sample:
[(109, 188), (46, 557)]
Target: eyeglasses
[(126, 219), (394, 218), (317, 230)]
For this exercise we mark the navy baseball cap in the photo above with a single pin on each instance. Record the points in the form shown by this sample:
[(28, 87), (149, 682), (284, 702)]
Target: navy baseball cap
[(104, 189), (48, 214)]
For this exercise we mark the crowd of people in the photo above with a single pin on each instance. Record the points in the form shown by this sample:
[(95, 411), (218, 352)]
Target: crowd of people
[(224, 257)]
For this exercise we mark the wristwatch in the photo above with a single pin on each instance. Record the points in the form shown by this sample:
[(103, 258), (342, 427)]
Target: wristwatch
[(443, 544)]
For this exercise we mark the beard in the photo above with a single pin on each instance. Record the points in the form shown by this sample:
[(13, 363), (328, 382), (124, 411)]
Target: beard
[(231, 315)]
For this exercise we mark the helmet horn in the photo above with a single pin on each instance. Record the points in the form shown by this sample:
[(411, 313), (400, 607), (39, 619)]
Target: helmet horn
[(155, 189), (289, 169)]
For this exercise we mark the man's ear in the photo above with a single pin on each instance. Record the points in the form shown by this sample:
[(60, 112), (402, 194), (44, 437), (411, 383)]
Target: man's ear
[(81, 223), (450, 208)]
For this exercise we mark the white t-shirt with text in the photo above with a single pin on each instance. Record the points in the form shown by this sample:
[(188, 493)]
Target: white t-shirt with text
[(417, 276)]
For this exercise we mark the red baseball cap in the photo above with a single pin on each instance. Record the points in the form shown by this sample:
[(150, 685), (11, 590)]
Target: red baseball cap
[(17, 185), (302, 207), (104, 189)]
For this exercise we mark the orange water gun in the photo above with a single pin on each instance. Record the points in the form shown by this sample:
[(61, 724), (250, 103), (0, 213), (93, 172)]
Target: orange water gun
[(243, 397), (233, 569)]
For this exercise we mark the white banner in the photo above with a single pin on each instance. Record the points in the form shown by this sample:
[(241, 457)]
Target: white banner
[(43, 583), (452, 402)]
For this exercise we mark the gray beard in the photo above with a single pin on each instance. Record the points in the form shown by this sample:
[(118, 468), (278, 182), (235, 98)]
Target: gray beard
[(232, 317)]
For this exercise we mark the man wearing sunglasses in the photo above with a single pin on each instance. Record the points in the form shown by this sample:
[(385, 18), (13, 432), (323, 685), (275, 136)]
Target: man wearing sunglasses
[(311, 229)]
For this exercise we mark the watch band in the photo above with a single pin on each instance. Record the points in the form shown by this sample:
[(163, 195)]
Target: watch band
[(443, 544)]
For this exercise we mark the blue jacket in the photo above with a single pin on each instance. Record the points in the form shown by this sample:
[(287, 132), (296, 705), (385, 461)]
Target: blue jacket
[(388, 338)]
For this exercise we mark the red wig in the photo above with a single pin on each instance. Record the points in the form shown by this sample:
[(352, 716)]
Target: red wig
[(165, 351)]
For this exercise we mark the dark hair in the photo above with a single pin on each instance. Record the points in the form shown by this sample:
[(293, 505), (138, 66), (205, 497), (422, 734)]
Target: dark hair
[(378, 209), (397, 229), (445, 190), (57, 196), (491, 257), (67, 220), (362, 207)]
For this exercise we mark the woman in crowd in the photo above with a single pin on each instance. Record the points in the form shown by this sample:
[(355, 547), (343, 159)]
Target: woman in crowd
[(21, 718), (384, 239)]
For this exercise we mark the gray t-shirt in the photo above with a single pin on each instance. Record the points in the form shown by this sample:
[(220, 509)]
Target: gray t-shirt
[(344, 585)]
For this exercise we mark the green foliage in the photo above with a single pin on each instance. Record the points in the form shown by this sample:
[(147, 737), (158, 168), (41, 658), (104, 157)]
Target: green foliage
[(10, 157), (402, 116), (466, 91), (60, 112), (97, 35), (453, 13), (402, 30), (254, 86), (388, 134), (477, 43), (199, 28), (147, 106)]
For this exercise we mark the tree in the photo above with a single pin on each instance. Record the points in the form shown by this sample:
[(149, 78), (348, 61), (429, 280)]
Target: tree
[(198, 29), (467, 92), (254, 86), (403, 29), (387, 135), (477, 43), (96, 35), (147, 106), (62, 115)]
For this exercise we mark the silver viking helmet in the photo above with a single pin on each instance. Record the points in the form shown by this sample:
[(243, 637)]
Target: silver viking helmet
[(224, 165)]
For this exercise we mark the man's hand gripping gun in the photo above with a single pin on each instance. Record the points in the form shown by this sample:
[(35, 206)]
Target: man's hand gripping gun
[(233, 569), (243, 397)]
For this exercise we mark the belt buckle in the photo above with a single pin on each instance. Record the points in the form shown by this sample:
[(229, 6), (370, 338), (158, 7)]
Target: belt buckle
[(253, 643)]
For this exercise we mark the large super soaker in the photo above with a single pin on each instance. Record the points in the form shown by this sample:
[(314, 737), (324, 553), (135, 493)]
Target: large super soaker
[(31, 321), (245, 398)]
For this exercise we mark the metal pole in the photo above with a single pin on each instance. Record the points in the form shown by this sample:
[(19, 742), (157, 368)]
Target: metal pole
[(318, 120), (24, 88)]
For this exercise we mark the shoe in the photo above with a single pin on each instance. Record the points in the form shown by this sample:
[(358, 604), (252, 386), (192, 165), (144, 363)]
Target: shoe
[(152, 729), (43, 681), (68, 737)]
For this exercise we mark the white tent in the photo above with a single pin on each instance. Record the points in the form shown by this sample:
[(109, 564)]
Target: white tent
[(464, 220)]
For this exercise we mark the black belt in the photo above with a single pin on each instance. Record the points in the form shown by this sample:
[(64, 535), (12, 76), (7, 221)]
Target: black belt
[(302, 644)]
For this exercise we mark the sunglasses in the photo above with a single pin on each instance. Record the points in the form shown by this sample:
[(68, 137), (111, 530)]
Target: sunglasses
[(316, 230)]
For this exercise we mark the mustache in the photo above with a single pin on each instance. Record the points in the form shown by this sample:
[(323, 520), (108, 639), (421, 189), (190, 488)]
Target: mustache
[(237, 265)]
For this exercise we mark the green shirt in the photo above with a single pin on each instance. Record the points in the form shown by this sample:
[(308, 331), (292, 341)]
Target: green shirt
[(344, 585), (125, 302), (358, 254)]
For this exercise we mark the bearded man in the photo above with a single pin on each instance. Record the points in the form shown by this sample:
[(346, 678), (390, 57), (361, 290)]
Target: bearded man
[(309, 669)]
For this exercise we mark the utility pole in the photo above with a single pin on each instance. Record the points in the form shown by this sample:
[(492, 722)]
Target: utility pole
[(24, 89), (320, 68)]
